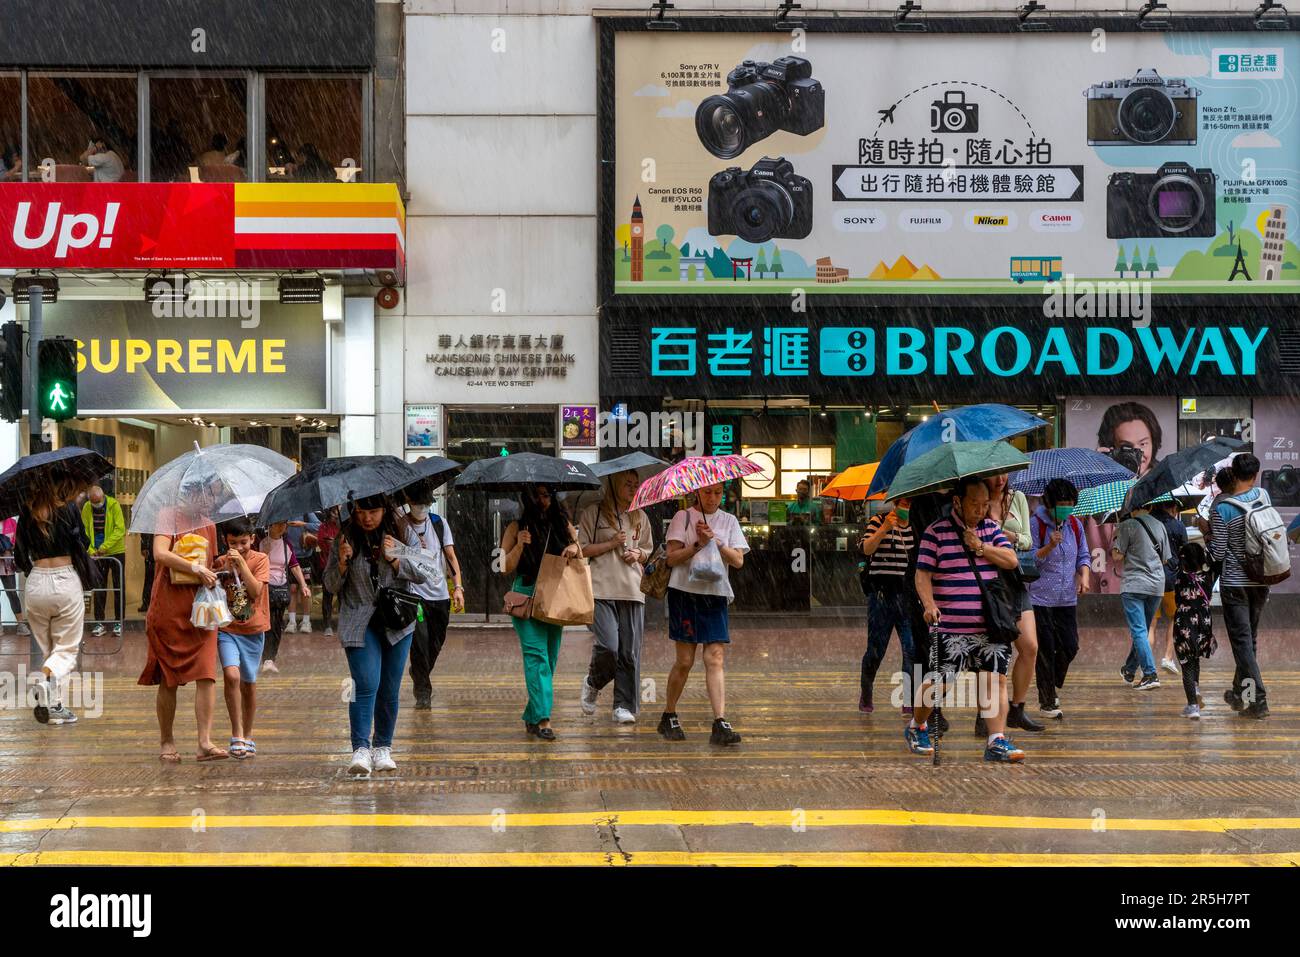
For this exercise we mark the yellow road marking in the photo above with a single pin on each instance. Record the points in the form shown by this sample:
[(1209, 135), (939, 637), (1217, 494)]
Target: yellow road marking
[(644, 858), (658, 818)]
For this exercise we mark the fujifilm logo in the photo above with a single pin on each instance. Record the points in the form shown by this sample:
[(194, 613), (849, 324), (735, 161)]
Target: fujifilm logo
[(78, 910), (652, 430), (179, 298), (1109, 299)]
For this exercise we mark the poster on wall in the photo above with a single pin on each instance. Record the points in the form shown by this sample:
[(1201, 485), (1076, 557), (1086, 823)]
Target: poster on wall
[(1137, 431), (1277, 446), (970, 164), (578, 426), (424, 426)]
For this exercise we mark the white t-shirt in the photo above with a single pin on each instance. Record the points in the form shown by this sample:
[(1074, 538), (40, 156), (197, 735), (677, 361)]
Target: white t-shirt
[(108, 167), (423, 533), (726, 531)]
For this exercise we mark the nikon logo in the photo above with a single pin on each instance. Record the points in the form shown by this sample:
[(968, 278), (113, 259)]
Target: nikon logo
[(991, 221)]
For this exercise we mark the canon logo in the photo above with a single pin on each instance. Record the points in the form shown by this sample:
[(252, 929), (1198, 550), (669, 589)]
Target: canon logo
[(1057, 219), (73, 230)]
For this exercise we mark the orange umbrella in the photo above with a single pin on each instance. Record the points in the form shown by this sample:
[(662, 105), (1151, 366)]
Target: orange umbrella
[(852, 484)]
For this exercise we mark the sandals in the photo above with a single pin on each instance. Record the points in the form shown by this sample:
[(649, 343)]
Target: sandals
[(238, 749), (213, 753), (170, 757), (250, 748)]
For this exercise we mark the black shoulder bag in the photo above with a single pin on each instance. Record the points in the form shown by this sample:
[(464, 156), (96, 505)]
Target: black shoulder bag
[(397, 607), (1001, 611)]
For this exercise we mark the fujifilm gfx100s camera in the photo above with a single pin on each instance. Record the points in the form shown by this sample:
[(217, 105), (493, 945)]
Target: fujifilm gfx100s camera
[(770, 201), (1143, 111), (761, 98), (1176, 200)]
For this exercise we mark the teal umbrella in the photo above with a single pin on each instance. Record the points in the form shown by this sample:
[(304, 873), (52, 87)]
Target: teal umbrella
[(1108, 499), (941, 467)]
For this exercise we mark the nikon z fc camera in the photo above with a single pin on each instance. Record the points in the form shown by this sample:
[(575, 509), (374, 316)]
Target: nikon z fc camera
[(1143, 111), (770, 201), (761, 98), (1175, 201)]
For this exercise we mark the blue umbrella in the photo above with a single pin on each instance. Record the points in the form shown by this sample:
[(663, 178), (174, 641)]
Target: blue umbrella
[(1084, 467), (968, 423)]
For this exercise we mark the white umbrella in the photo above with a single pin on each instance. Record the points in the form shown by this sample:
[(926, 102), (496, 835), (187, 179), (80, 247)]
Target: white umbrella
[(206, 485)]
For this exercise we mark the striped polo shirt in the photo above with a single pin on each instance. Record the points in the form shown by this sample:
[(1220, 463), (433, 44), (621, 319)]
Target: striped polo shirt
[(891, 562), (956, 590)]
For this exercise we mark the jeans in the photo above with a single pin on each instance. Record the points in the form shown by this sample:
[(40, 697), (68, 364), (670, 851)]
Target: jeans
[(1242, 608), (426, 642), (1139, 610), (1058, 643), (886, 612), (376, 669)]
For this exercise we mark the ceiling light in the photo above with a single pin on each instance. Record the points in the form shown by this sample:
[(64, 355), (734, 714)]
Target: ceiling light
[(302, 290), (49, 288)]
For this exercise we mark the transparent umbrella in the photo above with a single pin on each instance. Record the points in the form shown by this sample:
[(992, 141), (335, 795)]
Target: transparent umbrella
[(212, 484)]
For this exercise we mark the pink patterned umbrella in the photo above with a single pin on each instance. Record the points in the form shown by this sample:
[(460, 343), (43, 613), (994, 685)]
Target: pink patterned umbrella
[(692, 474)]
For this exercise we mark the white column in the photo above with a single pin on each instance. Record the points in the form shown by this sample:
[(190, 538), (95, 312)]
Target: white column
[(355, 375)]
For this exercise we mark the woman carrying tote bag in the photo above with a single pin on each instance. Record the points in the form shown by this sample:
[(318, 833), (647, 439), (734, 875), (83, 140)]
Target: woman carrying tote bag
[(543, 528)]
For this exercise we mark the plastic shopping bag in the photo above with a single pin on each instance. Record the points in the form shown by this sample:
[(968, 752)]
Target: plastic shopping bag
[(707, 565), (210, 609)]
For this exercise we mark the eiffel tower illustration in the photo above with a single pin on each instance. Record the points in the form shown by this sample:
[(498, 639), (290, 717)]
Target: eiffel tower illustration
[(1239, 267)]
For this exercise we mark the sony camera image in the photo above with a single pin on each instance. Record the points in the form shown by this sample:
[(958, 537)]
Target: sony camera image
[(761, 98), (770, 201), (1282, 485), (953, 114), (1145, 110), (1174, 201)]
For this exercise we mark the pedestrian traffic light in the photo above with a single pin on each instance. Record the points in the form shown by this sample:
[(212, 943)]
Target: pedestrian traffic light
[(11, 371), (58, 379)]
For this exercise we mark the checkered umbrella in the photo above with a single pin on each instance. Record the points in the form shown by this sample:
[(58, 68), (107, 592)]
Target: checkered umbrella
[(1084, 467), (1106, 500)]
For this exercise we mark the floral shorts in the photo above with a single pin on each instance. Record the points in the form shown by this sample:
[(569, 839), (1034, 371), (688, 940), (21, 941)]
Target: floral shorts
[(962, 652)]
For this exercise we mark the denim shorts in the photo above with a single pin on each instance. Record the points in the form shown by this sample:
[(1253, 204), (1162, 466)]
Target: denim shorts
[(697, 619), (242, 651)]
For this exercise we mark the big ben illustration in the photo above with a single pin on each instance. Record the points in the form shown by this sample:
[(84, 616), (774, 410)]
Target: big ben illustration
[(638, 241)]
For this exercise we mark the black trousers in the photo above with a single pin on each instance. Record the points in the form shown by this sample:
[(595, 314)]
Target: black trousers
[(1058, 643), (271, 647), (110, 567), (1191, 678), (1242, 608), (11, 590), (146, 590), (427, 643)]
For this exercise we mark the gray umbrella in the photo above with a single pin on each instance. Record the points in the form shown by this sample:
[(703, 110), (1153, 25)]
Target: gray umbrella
[(644, 465)]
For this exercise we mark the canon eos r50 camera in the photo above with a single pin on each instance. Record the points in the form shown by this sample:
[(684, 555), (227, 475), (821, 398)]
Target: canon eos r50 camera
[(1174, 201), (1144, 110), (761, 98), (770, 201)]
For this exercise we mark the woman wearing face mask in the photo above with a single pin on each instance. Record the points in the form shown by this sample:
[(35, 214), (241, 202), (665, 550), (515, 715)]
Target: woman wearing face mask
[(618, 542), (1010, 509), (542, 529), (1064, 573), (377, 654)]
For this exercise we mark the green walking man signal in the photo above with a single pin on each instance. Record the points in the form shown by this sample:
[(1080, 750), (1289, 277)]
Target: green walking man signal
[(57, 370)]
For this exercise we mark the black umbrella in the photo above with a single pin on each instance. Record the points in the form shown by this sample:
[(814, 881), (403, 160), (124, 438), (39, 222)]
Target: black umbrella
[(644, 465), (512, 473), (434, 470), (81, 465), (1177, 469), (331, 482)]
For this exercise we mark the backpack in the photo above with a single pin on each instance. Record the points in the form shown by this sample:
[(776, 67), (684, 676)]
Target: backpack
[(1266, 558), (1170, 566)]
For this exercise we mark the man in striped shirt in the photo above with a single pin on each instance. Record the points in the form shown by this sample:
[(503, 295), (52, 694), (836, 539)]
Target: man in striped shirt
[(950, 593), (1243, 599)]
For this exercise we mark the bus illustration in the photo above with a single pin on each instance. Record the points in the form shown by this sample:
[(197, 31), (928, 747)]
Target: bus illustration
[(1044, 268)]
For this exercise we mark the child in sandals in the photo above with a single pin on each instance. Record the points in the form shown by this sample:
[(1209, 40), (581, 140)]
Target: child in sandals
[(247, 578)]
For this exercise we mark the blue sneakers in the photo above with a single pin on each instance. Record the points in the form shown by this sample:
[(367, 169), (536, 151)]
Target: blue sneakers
[(1002, 749), (918, 740)]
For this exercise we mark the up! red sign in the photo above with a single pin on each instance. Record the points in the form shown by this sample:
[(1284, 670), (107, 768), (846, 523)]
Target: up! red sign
[(117, 225)]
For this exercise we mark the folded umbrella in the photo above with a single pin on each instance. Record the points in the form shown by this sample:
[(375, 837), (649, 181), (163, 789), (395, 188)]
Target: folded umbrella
[(940, 468), (331, 482), (967, 423), (853, 483), (692, 474), (81, 465), (512, 473), (1178, 468), (207, 485), (1083, 467)]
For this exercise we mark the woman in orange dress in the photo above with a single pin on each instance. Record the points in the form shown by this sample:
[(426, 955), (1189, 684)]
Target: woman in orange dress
[(179, 653)]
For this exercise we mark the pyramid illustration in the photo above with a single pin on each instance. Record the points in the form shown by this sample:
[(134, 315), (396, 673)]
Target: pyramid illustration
[(880, 272), (902, 269), (925, 272)]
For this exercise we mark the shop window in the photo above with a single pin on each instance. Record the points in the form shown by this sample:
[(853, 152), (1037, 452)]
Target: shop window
[(81, 128), (197, 129), (314, 129), (1200, 419), (11, 128)]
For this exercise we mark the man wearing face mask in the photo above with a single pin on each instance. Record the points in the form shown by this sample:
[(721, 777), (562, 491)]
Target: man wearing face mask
[(441, 593), (1065, 573)]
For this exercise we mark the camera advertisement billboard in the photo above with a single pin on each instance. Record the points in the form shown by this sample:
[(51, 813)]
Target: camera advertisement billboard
[(973, 164)]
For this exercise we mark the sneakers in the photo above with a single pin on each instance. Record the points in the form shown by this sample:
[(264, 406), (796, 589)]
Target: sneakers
[(117, 630), (23, 630), (588, 699), (1052, 710), (423, 703), (1148, 682), (268, 667), (1127, 675), (1258, 710), (1234, 702), (623, 716), (60, 714), (670, 727), (865, 704), (382, 760), (1016, 718), (304, 627), (361, 765), (1169, 665), (1003, 749), (98, 631), (722, 733), (1192, 711), (918, 740), (329, 632)]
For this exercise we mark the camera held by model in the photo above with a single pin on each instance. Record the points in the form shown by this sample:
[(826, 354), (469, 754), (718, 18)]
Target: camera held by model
[(761, 99), (769, 201)]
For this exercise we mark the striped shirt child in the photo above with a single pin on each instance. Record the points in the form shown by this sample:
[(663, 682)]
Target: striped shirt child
[(956, 590)]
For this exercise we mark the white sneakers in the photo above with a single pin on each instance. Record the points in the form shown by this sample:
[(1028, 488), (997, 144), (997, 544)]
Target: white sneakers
[(382, 760), (304, 627), (1169, 665), (268, 667), (623, 716), (329, 632), (588, 699), (98, 631), (362, 765)]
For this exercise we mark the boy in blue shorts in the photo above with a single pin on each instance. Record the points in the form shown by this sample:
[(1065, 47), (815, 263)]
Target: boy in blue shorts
[(239, 644)]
